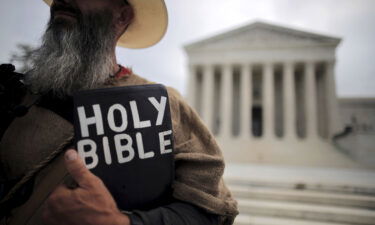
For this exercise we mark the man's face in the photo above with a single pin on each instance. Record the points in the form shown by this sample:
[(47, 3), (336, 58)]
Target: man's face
[(71, 10), (78, 46)]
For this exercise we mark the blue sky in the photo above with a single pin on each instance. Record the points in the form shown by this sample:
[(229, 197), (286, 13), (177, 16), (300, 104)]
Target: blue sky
[(23, 21)]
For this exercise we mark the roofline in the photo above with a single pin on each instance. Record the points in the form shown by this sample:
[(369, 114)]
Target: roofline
[(223, 34)]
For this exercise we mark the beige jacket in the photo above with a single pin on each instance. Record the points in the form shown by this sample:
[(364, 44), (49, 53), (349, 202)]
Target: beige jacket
[(199, 164)]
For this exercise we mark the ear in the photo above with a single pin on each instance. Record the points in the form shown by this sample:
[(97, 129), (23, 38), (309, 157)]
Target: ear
[(124, 17)]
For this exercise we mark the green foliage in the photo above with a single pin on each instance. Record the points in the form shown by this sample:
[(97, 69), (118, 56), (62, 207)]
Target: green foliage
[(22, 58)]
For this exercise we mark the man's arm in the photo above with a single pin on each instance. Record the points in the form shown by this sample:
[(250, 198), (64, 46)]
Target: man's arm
[(91, 203), (175, 213)]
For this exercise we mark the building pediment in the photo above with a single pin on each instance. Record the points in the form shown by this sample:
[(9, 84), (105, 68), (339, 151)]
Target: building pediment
[(263, 35)]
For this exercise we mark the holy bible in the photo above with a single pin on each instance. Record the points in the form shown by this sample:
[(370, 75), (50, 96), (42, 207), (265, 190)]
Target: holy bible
[(124, 135)]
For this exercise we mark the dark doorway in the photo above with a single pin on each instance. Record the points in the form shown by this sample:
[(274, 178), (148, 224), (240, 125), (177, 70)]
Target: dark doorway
[(257, 125)]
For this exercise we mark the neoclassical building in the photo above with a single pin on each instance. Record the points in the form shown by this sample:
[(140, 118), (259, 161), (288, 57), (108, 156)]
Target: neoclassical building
[(268, 95)]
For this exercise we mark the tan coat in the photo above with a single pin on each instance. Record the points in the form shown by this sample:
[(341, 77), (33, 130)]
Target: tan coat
[(199, 164)]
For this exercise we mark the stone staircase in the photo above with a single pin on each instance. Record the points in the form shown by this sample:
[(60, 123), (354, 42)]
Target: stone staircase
[(269, 201)]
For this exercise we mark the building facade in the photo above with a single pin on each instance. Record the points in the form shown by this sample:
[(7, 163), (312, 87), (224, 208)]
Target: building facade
[(268, 95)]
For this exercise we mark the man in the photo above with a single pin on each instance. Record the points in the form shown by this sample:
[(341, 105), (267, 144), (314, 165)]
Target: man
[(78, 53)]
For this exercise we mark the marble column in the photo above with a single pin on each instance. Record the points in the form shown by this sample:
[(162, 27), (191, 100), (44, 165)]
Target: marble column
[(208, 95), (226, 107), (268, 101), (311, 110), (289, 101), (192, 84), (332, 104), (246, 98)]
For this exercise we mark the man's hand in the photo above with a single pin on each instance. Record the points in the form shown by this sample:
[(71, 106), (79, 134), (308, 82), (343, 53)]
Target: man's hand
[(90, 203)]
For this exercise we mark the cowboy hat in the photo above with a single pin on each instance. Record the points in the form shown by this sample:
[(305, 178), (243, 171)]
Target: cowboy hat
[(148, 26)]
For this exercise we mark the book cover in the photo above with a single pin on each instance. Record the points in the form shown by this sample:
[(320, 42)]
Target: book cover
[(124, 135)]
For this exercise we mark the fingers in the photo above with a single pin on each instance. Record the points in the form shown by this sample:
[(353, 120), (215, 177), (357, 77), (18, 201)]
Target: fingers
[(77, 169), (70, 183), (59, 196)]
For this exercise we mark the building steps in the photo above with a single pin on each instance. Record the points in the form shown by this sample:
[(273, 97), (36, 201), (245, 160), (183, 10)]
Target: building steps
[(276, 195), (348, 215), (259, 220), (304, 196), (304, 185)]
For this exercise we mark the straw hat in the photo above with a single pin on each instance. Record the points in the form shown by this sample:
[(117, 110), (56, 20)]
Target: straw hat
[(149, 24)]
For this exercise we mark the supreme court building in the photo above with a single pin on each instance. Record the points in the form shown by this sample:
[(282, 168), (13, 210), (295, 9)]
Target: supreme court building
[(268, 95)]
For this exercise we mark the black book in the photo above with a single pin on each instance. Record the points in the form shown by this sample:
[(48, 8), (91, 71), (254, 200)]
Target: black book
[(124, 135)]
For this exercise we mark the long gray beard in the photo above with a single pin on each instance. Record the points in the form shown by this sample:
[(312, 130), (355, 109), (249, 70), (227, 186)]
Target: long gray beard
[(72, 59)]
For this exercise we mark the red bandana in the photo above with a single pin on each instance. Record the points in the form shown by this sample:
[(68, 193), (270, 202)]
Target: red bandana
[(123, 71)]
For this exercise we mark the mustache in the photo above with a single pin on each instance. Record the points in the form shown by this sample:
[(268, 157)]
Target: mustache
[(64, 7)]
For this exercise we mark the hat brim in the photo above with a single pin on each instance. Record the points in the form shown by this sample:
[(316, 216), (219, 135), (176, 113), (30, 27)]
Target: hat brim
[(149, 24)]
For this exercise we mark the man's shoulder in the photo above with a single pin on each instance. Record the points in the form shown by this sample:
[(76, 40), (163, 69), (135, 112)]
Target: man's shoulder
[(134, 79)]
